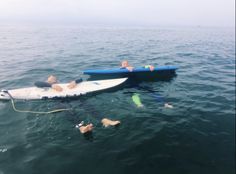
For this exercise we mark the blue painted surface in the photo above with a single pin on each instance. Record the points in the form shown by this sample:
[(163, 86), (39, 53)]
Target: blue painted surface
[(121, 71)]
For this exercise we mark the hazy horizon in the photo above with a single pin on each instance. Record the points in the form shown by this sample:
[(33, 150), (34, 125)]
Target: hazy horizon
[(119, 12)]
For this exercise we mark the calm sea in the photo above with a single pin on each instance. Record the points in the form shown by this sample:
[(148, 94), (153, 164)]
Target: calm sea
[(196, 136)]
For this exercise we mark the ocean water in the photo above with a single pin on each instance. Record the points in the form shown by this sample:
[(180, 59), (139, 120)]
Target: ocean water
[(196, 136)]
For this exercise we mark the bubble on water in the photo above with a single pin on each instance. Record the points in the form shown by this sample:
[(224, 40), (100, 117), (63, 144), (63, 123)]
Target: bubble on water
[(167, 105), (3, 150)]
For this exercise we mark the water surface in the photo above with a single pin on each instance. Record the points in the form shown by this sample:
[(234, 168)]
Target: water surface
[(196, 136)]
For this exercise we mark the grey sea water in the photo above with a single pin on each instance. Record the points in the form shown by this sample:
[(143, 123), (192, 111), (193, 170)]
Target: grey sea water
[(196, 136)]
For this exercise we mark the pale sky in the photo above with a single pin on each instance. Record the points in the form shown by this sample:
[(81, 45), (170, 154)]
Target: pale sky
[(120, 12)]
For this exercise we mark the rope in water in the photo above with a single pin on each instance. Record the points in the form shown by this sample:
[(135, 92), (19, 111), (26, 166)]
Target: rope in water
[(36, 112), (32, 112)]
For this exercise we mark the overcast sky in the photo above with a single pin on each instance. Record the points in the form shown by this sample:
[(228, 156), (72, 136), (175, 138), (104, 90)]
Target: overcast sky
[(120, 12)]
